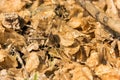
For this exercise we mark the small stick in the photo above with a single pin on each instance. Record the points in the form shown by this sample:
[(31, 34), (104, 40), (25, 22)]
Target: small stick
[(113, 24)]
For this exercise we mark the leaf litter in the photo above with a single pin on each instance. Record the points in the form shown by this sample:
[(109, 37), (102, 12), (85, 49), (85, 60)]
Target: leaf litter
[(57, 40)]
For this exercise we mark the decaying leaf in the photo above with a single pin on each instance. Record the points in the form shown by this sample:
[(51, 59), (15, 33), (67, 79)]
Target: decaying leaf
[(11, 21), (33, 46), (71, 50), (11, 5), (107, 72), (6, 60), (68, 35), (75, 22), (32, 62), (42, 13), (74, 71), (117, 2), (4, 75), (93, 60), (111, 9)]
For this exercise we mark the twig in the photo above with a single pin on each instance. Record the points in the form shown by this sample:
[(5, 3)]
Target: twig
[(100, 16)]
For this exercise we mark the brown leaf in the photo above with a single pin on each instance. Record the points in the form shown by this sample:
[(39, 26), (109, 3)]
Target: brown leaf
[(11, 5), (93, 60), (111, 9), (72, 49), (7, 61), (101, 34), (75, 22), (33, 46), (68, 35), (106, 72), (32, 62), (117, 2)]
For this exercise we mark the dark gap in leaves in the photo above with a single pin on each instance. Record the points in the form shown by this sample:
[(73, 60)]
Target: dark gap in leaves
[(28, 5), (61, 12), (116, 51), (24, 29), (29, 23), (48, 55), (51, 72), (42, 47), (95, 77), (54, 40), (19, 64), (103, 61), (21, 54), (82, 63), (105, 8), (102, 58), (84, 57)]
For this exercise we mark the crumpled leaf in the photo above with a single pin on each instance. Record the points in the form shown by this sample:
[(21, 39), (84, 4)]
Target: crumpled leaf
[(11, 21), (42, 13), (18, 74), (74, 71), (117, 2), (71, 50), (6, 60), (75, 22), (4, 75), (111, 9), (11, 37), (68, 35), (33, 46), (102, 34), (11, 5), (32, 62), (25, 14), (106, 72), (93, 60), (2, 55)]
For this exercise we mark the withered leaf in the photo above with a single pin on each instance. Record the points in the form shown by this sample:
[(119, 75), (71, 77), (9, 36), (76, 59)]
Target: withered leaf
[(33, 57), (6, 60)]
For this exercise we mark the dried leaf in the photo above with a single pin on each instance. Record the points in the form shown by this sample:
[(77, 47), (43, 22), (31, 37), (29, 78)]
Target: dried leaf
[(33, 57), (7, 61), (107, 73), (111, 9), (72, 49), (101, 34), (11, 5), (93, 60), (75, 22), (33, 46), (117, 2), (68, 35)]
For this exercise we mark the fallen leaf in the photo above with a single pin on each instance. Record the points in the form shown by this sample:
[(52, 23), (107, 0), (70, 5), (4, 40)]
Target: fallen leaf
[(93, 60), (33, 57), (75, 22)]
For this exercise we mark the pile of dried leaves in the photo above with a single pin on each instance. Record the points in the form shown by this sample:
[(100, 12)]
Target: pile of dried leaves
[(59, 40)]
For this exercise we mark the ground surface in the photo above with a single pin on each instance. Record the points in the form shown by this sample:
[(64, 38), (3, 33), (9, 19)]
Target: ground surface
[(57, 40)]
